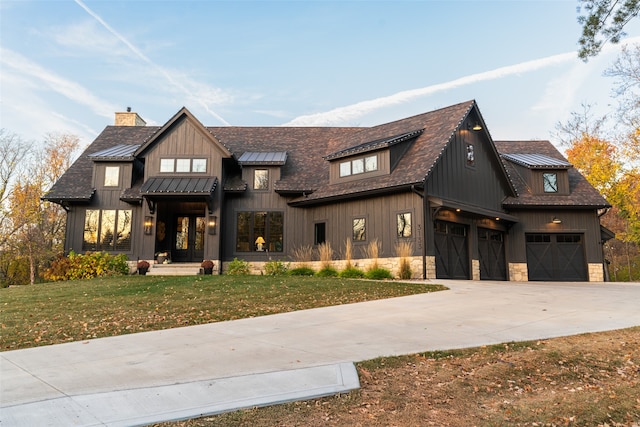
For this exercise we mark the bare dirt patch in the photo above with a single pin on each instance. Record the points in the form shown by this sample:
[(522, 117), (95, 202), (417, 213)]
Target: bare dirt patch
[(584, 380)]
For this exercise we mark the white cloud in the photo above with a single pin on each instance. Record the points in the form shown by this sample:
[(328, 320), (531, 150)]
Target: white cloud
[(43, 78)]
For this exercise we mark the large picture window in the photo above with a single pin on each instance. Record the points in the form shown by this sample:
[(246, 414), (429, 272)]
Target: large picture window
[(107, 230), (259, 231)]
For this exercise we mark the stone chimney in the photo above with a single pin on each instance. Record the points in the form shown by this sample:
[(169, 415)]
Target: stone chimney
[(129, 119)]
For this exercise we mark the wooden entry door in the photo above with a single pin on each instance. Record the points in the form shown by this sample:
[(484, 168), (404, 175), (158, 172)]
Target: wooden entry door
[(452, 254), (188, 238)]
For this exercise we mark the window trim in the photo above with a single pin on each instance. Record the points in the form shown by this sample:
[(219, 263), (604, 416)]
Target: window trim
[(267, 183), (545, 179), (174, 164), (364, 218), (117, 171), (117, 219), (410, 236), (252, 236), (361, 159)]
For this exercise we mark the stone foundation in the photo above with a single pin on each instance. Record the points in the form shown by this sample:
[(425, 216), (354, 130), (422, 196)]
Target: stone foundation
[(518, 272), (596, 273), (475, 269)]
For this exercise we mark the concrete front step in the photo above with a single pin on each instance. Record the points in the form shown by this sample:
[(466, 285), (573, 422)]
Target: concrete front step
[(175, 269)]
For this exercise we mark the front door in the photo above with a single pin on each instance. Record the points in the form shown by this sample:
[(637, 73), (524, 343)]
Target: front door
[(188, 238)]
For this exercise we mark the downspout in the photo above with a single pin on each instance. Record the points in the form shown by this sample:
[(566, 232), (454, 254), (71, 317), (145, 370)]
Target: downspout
[(425, 207)]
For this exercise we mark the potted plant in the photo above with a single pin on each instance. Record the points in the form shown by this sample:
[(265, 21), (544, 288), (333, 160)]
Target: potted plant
[(207, 266), (143, 267)]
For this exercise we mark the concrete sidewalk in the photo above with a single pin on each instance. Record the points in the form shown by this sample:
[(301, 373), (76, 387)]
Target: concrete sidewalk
[(187, 372)]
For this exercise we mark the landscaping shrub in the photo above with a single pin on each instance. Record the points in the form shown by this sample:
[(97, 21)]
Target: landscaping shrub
[(87, 266), (238, 267), (301, 271), (404, 250), (327, 272), (378, 273), (352, 273), (275, 268)]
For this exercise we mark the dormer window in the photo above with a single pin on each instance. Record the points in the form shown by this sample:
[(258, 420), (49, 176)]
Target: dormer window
[(112, 176), (359, 165), (261, 179), (550, 182)]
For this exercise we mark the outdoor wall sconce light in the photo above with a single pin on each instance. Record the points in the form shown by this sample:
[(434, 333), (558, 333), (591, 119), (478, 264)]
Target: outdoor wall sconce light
[(476, 127), (556, 220), (260, 243), (148, 224), (213, 221)]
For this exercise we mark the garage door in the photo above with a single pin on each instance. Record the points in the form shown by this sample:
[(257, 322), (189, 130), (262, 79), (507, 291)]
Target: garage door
[(556, 257), (491, 254), (452, 254)]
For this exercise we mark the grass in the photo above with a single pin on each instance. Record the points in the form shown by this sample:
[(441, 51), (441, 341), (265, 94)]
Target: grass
[(59, 312), (584, 380)]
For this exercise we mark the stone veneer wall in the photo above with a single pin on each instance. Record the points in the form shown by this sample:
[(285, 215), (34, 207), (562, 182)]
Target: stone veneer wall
[(596, 273), (518, 272), (475, 269), (391, 264)]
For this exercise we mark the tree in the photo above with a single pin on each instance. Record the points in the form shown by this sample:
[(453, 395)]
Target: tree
[(33, 230), (603, 22), (626, 72), (13, 152)]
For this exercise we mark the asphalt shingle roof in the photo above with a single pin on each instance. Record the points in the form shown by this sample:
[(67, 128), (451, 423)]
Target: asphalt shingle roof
[(582, 194)]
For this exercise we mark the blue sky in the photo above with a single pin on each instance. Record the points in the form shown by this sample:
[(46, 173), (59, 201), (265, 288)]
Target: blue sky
[(67, 66)]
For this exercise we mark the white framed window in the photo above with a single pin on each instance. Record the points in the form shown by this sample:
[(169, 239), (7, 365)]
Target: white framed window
[(167, 165), (357, 166), (112, 176), (345, 168), (183, 165), (371, 163), (199, 165)]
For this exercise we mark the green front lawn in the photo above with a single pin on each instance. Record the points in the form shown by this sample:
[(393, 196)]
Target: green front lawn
[(59, 312)]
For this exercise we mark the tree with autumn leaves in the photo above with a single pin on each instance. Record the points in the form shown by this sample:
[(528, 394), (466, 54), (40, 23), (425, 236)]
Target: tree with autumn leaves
[(606, 151), (31, 230)]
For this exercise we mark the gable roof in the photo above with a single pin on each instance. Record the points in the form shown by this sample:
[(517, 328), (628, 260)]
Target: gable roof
[(75, 184), (182, 114), (581, 193)]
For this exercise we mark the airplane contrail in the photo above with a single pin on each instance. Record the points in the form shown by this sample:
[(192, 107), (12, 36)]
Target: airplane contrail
[(146, 59), (351, 112)]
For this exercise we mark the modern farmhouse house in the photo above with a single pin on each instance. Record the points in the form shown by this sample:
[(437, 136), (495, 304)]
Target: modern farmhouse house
[(471, 207)]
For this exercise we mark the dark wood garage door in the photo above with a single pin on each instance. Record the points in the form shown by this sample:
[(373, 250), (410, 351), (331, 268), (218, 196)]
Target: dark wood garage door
[(556, 257), (491, 254), (452, 254)]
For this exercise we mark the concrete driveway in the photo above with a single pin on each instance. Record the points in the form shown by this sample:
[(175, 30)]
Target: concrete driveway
[(187, 372)]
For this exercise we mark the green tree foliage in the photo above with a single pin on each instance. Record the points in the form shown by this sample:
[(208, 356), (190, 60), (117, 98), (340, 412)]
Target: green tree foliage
[(603, 21)]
